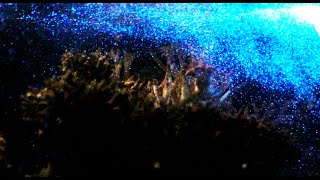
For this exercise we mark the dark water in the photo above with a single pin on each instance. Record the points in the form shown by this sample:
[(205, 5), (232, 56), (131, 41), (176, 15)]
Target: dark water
[(269, 47)]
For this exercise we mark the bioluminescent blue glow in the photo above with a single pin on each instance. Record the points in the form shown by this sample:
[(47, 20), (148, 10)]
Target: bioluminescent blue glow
[(276, 44)]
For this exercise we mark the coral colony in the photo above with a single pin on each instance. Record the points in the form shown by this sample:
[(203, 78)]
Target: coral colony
[(173, 119), (252, 67)]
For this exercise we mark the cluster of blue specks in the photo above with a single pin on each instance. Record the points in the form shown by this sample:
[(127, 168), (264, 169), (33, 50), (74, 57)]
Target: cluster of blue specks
[(268, 43), (264, 40)]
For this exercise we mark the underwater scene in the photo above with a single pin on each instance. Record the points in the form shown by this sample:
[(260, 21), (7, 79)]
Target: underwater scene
[(159, 89)]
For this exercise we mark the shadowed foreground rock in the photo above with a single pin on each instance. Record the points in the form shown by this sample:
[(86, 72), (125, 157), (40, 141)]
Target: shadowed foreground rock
[(96, 120)]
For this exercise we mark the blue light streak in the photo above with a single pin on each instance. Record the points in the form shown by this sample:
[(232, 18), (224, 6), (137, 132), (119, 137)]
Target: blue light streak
[(269, 42)]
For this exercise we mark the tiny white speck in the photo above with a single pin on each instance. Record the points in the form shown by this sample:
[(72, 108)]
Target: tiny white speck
[(244, 165)]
